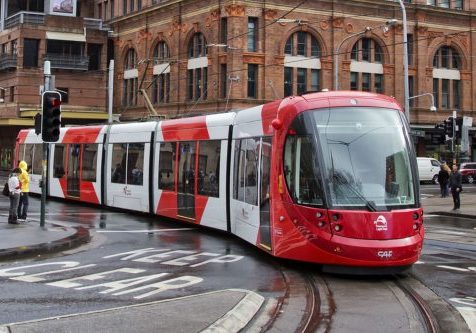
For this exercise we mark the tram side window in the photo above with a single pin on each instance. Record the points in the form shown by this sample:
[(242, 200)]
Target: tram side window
[(236, 172), (35, 167), (300, 171), (21, 152), (251, 174), (90, 153), (119, 159), (246, 171), (28, 155), (209, 168), (240, 163), (58, 162), (167, 166), (135, 164)]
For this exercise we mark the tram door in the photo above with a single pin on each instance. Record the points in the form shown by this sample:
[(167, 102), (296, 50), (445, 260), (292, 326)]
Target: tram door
[(245, 208), (74, 158), (186, 179), (264, 202)]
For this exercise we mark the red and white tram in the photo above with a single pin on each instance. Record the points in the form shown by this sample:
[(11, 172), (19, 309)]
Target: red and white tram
[(325, 177)]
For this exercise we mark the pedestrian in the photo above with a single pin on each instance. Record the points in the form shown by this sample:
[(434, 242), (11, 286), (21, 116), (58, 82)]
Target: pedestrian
[(443, 177), (24, 179), (448, 170), (456, 186), (15, 189)]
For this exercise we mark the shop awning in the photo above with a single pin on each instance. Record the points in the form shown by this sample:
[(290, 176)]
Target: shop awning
[(65, 36)]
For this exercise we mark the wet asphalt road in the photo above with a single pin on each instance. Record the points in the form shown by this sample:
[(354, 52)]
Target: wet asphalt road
[(175, 260), (168, 255)]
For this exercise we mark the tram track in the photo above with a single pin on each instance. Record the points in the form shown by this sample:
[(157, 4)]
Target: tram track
[(430, 322), (307, 297)]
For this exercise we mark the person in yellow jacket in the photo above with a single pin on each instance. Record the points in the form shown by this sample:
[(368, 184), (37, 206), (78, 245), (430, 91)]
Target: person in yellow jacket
[(24, 179)]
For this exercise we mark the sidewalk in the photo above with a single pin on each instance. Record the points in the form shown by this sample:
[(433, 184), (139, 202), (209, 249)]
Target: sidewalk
[(443, 206), (29, 238)]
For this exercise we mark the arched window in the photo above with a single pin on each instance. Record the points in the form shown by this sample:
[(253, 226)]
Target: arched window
[(129, 96), (197, 47), (161, 53), (301, 64), (197, 74), (161, 79), (131, 60), (366, 70), (447, 78)]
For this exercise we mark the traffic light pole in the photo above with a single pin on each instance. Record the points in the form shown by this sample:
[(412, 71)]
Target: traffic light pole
[(44, 162), (454, 138)]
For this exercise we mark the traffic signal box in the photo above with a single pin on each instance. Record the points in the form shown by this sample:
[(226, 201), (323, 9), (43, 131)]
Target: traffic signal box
[(452, 128), (51, 116), (459, 127), (449, 127)]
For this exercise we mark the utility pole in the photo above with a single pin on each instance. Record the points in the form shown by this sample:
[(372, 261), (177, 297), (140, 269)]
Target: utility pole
[(405, 61), (110, 90)]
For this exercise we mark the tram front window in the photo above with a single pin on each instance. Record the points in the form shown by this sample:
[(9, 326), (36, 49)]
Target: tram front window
[(300, 169), (366, 157)]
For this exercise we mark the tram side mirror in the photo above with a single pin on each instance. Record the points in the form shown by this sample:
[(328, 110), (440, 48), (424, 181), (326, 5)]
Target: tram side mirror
[(277, 124)]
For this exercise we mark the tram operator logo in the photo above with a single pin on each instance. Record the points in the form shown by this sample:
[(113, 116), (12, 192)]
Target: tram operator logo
[(381, 223)]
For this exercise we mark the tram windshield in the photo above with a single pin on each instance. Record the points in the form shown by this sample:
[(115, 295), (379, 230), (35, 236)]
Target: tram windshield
[(365, 161)]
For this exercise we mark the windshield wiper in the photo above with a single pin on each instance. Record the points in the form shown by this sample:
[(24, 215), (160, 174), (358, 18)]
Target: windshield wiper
[(371, 206), (342, 180)]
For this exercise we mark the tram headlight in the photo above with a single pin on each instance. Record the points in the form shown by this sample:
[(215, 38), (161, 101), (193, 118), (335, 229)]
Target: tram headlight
[(318, 215), (338, 227), (416, 226), (415, 216), (321, 224)]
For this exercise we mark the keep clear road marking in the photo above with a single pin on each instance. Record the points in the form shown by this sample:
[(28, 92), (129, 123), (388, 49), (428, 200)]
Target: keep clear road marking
[(144, 230)]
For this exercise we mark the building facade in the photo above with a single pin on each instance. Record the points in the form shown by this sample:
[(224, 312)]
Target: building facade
[(193, 57), (65, 33)]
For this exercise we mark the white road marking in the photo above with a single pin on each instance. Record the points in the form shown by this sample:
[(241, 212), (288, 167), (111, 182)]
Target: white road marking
[(453, 268), (449, 232), (144, 230)]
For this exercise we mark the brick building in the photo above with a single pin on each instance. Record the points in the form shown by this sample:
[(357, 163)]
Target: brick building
[(213, 56), (65, 33)]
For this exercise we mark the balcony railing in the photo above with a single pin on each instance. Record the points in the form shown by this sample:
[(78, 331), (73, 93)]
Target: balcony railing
[(95, 24), (24, 18), (8, 61), (75, 62)]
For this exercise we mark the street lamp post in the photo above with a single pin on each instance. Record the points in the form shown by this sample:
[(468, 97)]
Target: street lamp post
[(432, 107), (405, 61), (336, 56)]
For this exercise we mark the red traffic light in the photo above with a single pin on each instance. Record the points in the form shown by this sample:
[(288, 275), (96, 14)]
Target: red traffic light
[(54, 102)]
